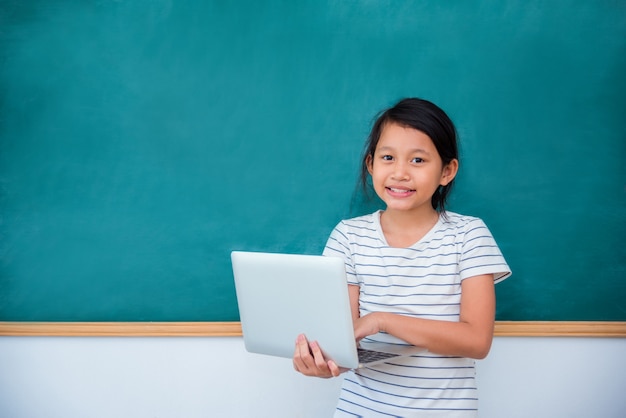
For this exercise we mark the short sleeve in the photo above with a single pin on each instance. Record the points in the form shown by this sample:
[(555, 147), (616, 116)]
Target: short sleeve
[(338, 245), (480, 253)]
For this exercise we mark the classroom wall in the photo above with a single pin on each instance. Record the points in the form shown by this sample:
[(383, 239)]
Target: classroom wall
[(214, 377)]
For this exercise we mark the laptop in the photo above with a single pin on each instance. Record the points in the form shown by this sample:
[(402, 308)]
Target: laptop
[(283, 295)]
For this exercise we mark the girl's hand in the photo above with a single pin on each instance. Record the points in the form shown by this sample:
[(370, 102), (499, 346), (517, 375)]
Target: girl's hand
[(309, 360), (368, 325)]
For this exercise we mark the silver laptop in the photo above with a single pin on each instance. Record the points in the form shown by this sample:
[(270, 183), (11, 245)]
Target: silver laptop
[(283, 295)]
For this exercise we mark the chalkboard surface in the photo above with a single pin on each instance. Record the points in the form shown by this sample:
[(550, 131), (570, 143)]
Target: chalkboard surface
[(142, 141)]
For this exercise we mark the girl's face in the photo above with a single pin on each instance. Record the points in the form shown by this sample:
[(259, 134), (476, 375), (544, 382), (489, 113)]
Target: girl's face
[(406, 169)]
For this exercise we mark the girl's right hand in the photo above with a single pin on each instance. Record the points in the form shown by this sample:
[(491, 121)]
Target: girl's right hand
[(309, 360)]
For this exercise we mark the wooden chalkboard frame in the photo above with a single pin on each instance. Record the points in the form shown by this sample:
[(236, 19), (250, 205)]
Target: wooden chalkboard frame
[(601, 329)]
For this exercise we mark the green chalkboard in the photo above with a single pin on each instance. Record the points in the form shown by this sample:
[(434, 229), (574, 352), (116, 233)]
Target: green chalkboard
[(142, 141)]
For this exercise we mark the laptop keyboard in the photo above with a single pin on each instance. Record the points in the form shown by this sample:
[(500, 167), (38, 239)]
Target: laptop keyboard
[(368, 356)]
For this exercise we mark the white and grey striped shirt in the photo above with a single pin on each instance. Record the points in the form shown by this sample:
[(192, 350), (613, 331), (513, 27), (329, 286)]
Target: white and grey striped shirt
[(423, 281)]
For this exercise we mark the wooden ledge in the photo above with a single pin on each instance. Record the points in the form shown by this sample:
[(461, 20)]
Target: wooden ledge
[(233, 329), (121, 329), (560, 329)]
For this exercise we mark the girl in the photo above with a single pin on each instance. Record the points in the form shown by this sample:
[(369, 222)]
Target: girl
[(416, 275)]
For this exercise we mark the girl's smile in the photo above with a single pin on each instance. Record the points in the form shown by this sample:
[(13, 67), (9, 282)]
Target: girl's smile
[(399, 191)]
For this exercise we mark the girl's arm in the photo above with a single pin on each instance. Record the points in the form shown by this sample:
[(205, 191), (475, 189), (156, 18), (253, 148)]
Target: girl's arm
[(470, 337)]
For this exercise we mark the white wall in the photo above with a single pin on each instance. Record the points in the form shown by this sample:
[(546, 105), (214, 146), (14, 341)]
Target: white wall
[(52, 377)]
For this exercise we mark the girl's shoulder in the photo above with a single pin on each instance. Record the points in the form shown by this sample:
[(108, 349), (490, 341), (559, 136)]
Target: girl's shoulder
[(463, 226), (368, 225), (458, 220), (369, 222)]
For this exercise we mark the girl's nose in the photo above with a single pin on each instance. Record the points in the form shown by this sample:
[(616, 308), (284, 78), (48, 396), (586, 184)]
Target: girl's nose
[(400, 171)]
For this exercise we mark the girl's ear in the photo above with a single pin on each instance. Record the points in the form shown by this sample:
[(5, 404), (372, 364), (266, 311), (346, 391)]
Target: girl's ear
[(369, 161), (449, 172)]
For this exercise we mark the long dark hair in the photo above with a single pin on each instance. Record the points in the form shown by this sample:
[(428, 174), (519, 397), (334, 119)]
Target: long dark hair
[(425, 117)]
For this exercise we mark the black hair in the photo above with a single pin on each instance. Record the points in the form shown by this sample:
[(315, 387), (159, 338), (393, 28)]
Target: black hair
[(423, 116)]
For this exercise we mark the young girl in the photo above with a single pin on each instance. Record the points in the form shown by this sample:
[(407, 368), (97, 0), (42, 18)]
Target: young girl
[(416, 275)]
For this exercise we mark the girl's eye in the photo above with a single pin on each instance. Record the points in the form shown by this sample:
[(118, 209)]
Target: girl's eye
[(387, 158), (417, 160)]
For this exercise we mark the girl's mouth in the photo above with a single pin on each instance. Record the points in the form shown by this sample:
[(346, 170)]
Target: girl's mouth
[(399, 192)]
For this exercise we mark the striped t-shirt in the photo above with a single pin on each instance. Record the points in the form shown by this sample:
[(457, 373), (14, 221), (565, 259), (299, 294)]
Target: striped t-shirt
[(422, 281)]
